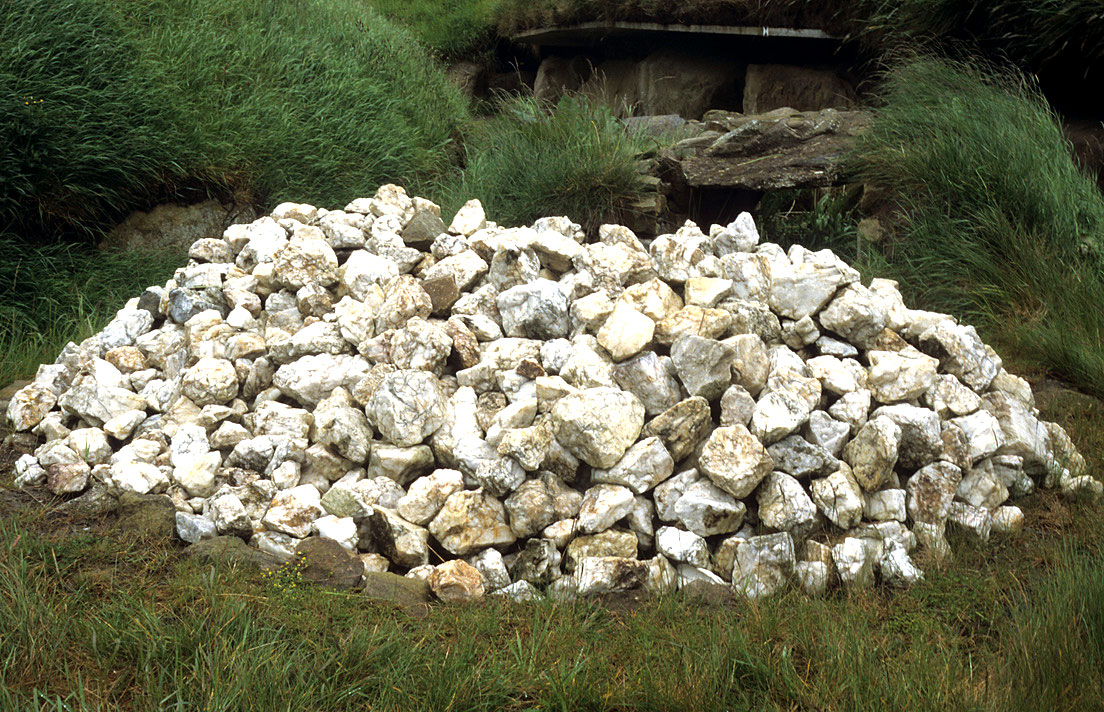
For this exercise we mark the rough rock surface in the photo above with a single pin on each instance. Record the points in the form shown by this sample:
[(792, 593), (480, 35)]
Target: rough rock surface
[(497, 410)]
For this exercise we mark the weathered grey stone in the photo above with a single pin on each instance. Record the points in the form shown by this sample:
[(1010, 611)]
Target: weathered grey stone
[(873, 452), (403, 542), (921, 438), (962, 353), (538, 563), (785, 506), (931, 490), (682, 427), (801, 458), (704, 366), (536, 310)]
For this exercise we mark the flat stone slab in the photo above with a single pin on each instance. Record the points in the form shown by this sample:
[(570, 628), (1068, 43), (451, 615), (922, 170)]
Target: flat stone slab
[(778, 150)]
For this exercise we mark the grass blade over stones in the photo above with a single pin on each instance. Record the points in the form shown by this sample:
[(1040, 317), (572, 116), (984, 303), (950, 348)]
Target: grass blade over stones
[(998, 224)]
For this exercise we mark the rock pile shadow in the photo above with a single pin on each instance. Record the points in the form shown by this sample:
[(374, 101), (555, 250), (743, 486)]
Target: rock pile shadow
[(507, 410)]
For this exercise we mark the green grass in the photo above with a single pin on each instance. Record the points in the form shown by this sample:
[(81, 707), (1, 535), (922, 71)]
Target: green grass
[(104, 105), (531, 160), (316, 101), (1032, 33), (93, 622), (59, 293), (82, 133), (452, 29)]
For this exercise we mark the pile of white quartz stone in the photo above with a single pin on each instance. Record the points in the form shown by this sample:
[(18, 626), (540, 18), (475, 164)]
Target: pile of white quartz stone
[(517, 409)]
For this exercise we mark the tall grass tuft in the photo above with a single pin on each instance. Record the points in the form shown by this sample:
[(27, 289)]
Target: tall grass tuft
[(1032, 33), (532, 160), (82, 133), (999, 225), (105, 104), (1056, 640), (452, 30), (58, 293)]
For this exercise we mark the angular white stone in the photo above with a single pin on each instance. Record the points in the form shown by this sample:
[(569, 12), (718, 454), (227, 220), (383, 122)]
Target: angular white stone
[(962, 353), (854, 563), (684, 546), (625, 332), (706, 509), (343, 530), (840, 498), (598, 425), (785, 506), (470, 521), (873, 452), (426, 495), (885, 505), (602, 506), (407, 407), (294, 510), (735, 460), (897, 376), (764, 565), (643, 466)]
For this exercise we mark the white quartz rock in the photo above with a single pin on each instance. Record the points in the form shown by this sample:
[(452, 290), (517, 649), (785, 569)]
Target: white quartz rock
[(735, 460), (839, 497), (785, 506), (854, 563), (764, 565), (294, 510), (598, 425), (683, 546), (602, 506), (470, 521), (643, 466), (962, 353), (706, 509), (407, 407), (873, 452), (426, 495)]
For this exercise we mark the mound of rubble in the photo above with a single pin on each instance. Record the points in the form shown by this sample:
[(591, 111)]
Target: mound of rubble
[(510, 409)]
